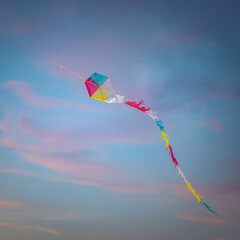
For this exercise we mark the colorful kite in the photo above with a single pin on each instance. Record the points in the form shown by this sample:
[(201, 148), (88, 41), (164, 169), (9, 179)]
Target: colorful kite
[(99, 87)]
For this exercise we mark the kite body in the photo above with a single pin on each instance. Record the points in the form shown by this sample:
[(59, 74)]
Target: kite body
[(99, 87)]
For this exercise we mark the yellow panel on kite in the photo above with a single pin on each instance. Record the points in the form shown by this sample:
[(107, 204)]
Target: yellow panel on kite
[(100, 94)]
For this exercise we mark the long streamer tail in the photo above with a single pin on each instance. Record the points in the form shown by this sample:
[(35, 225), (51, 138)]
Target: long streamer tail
[(153, 115), (194, 193)]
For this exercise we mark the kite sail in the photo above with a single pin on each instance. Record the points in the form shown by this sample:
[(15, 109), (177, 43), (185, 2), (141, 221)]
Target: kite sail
[(99, 87)]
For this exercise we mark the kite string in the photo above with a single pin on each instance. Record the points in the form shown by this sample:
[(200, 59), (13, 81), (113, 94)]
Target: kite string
[(41, 54)]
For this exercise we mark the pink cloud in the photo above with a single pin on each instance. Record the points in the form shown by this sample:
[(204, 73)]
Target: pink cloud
[(149, 190), (46, 146), (5, 203), (20, 226), (228, 205), (225, 189), (10, 143), (64, 177), (220, 93), (20, 134), (108, 182), (212, 123), (10, 170), (75, 167), (176, 39), (25, 93), (200, 219), (162, 187), (78, 166), (92, 135)]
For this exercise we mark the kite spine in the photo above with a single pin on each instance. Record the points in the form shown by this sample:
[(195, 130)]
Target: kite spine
[(150, 113)]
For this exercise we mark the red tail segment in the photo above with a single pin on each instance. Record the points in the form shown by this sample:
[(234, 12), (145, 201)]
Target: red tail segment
[(138, 106), (173, 157)]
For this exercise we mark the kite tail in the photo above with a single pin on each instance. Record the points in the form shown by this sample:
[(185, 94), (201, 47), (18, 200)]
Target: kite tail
[(137, 105), (194, 192), (153, 115), (176, 164)]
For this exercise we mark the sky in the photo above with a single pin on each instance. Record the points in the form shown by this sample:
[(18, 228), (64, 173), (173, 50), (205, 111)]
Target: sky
[(72, 167)]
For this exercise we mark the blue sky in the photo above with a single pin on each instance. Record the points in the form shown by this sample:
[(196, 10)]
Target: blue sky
[(72, 167)]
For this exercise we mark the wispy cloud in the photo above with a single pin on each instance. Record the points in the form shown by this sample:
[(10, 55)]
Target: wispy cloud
[(10, 170), (226, 93), (78, 169), (175, 39), (109, 183), (6, 203), (79, 164), (212, 123), (10, 143), (225, 189), (190, 93), (148, 190), (26, 134), (26, 94), (37, 228), (73, 154), (82, 134), (199, 219), (154, 188), (52, 146)]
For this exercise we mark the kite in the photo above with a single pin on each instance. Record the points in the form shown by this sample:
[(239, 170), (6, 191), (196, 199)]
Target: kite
[(99, 87)]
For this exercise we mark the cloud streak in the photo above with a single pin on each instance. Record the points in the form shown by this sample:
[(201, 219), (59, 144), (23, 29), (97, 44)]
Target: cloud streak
[(190, 218), (82, 135), (37, 228), (25, 93), (10, 204), (109, 184), (26, 134), (212, 123), (79, 165)]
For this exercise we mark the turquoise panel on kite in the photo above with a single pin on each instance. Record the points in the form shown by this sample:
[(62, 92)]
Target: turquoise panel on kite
[(99, 78), (91, 81)]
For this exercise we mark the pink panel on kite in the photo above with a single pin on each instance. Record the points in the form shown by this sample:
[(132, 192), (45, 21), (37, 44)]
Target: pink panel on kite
[(91, 88)]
